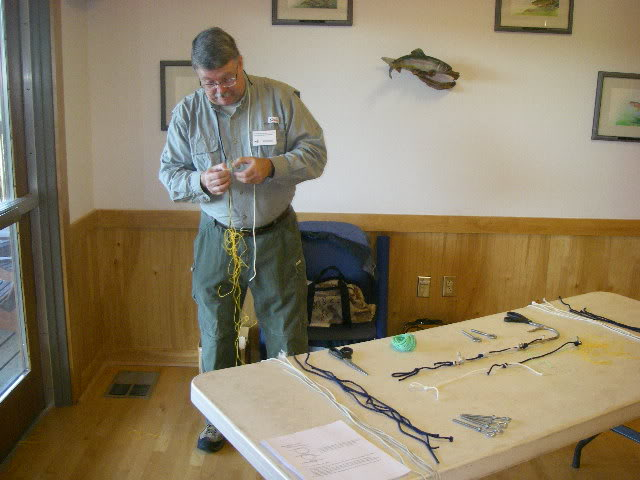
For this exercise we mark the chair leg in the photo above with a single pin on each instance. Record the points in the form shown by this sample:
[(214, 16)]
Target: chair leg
[(578, 450), (625, 431)]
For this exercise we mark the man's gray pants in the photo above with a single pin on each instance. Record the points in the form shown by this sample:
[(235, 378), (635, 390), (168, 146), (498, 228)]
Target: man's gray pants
[(279, 291)]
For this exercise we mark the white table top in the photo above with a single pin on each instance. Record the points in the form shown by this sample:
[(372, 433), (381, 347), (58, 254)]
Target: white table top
[(584, 390)]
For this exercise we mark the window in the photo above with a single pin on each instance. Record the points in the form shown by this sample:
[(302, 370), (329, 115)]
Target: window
[(14, 357)]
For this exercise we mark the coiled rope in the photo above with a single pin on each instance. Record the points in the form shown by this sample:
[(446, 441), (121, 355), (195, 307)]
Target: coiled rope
[(405, 342)]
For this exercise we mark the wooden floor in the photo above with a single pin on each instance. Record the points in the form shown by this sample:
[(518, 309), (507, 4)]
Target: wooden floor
[(126, 439)]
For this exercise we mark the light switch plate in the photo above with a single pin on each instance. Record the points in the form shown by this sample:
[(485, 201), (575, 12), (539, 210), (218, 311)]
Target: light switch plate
[(424, 286)]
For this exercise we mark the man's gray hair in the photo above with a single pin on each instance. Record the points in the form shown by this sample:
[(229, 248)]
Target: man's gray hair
[(213, 48)]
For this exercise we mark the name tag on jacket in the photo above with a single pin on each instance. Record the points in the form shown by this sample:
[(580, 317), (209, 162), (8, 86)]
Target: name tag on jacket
[(263, 137)]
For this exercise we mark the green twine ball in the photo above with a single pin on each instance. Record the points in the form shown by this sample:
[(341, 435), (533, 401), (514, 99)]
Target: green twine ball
[(405, 342)]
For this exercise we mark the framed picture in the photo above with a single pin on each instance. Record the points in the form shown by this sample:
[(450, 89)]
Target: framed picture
[(312, 12), (538, 16), (617, 112), (177, 80)]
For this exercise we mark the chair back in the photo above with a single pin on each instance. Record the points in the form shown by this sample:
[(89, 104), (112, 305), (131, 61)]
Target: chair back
[(346, 247)]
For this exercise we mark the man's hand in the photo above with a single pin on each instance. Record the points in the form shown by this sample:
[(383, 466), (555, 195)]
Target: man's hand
[(257, 169), (216, 179)]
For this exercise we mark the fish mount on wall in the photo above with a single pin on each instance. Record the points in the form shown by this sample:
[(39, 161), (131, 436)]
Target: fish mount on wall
[(430, 70)]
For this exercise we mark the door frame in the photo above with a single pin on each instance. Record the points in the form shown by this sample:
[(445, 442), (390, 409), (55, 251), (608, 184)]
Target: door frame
[(35, 210), (45, 220)]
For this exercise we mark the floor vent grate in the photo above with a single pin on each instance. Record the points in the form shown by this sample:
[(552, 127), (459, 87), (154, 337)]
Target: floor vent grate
[(132, 384)]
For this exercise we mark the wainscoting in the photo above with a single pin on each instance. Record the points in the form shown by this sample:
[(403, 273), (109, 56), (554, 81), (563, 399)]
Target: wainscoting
[(129, 279)]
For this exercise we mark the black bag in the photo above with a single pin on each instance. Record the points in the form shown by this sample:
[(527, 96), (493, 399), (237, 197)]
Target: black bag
[(333, 301)]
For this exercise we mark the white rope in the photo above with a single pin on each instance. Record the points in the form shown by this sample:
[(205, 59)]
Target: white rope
[(255, 243), (535, 372), (552, 310), (420, 387), (394, 445)]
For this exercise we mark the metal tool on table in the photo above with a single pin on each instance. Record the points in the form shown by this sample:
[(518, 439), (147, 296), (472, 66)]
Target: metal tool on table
[(345, 354), (488, 425), (487, 432), (515, 317), (484, 334), (489, 421), (472, 337)]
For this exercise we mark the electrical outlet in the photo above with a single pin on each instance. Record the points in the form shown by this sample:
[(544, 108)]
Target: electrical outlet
[(424, 286), (448, 286)]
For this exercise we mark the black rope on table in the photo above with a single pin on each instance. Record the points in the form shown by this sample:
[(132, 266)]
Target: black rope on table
[(575, 342), (369, 402), (584, 313)]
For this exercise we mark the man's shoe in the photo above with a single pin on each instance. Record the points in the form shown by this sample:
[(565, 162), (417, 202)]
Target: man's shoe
[(210, 439)]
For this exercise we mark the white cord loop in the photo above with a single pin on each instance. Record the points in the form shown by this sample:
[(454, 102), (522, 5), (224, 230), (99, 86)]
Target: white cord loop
[(550, 309)]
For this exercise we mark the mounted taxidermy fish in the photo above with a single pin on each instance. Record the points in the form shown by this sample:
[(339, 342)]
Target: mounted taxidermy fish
[(430, 70)]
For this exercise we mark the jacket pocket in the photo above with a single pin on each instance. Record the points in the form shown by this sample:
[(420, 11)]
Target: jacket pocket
[(205, 152)]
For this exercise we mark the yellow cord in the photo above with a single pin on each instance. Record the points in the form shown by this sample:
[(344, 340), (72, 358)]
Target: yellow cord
[(235, 246)]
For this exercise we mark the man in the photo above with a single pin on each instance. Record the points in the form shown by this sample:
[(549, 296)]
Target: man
[(238, 146)]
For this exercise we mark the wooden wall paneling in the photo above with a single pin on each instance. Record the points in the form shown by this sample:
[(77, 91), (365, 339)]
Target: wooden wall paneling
[(87, 337), (582, 264), (141, 319), (150, 299), (624, 267), (183, 319), (569, 256), (412, 255), (166, 269), (74, 310), (112, 284), (498, 272), (493, 273), (130, 283)]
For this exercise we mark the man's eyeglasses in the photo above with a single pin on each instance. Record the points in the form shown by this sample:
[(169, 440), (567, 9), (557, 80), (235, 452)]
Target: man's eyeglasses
[(227, 82)]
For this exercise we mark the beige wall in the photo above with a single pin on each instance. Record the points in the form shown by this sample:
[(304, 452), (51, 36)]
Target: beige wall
[(76, 106), (512, 139)]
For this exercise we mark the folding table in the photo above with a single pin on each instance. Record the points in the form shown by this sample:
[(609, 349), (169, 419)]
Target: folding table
[(583, 390)]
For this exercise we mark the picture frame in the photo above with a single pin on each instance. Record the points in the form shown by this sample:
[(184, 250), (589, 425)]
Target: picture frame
[(616, 115), (177, 80), (552, 16), (306, 12)]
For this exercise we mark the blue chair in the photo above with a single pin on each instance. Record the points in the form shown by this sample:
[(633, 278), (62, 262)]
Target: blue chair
[(346, 247), (623, 430)]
